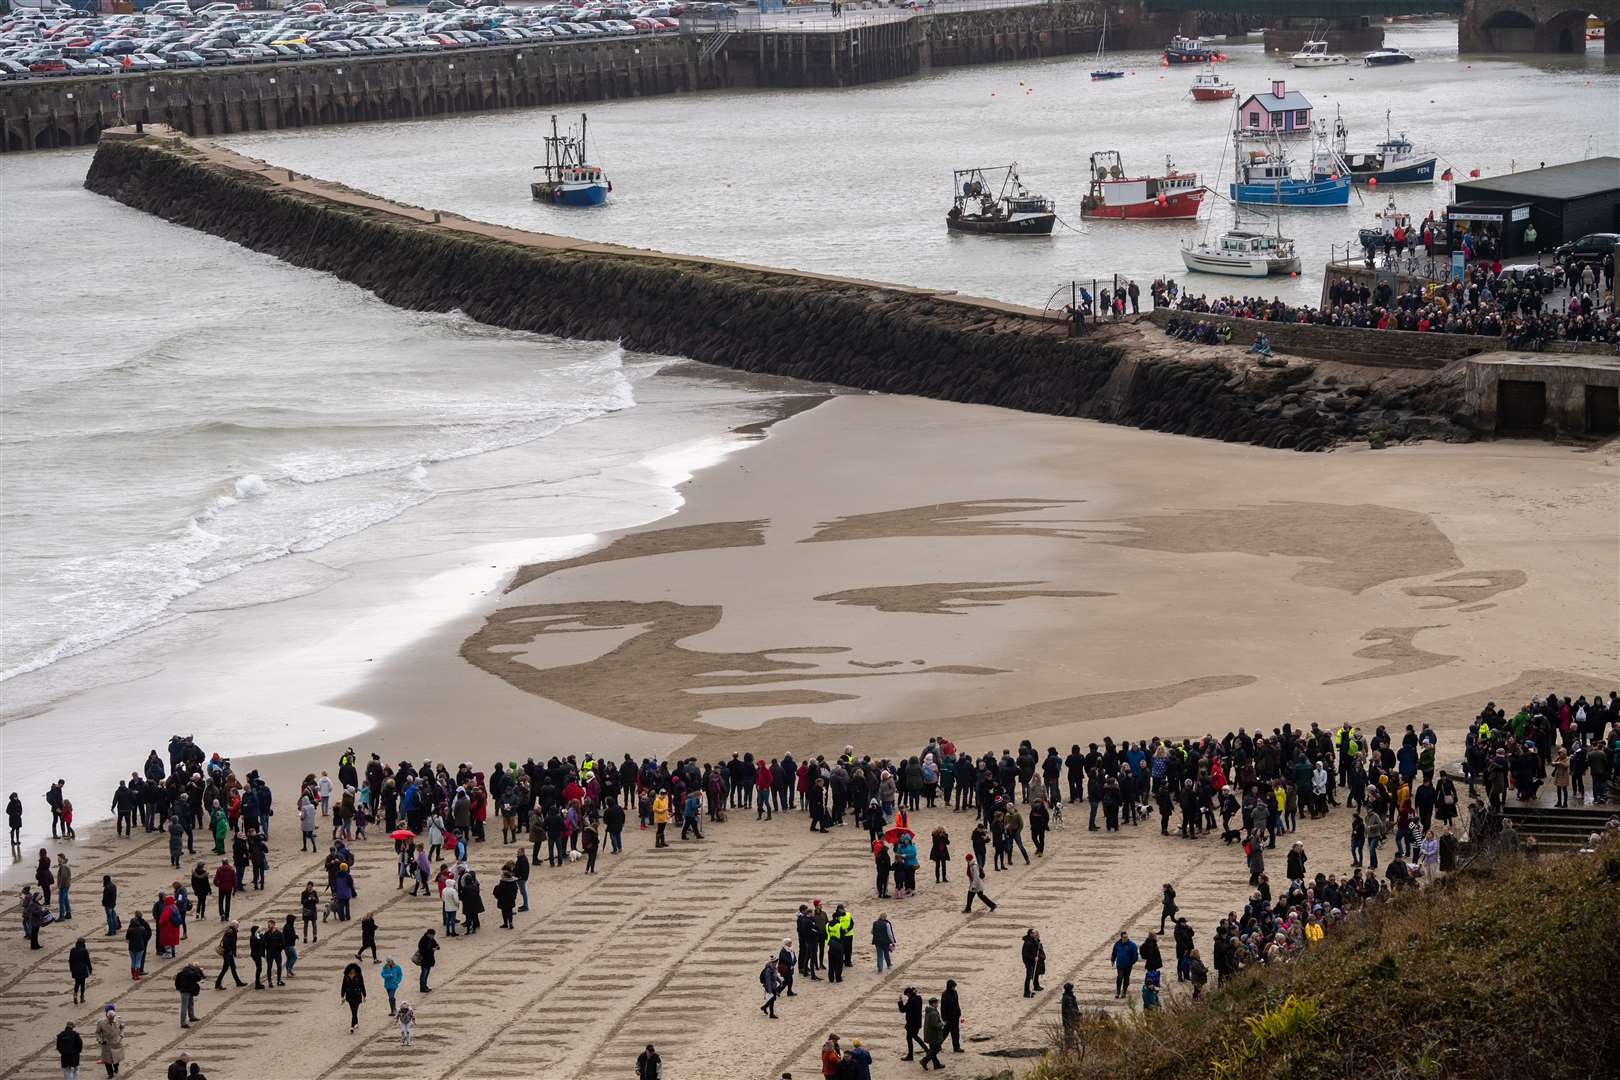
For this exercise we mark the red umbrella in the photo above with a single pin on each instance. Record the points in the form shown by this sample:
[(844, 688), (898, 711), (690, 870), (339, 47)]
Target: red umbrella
[(402, 834), (893, 835)]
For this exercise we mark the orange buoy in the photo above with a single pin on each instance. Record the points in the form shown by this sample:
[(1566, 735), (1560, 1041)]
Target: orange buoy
[(1372, 181)]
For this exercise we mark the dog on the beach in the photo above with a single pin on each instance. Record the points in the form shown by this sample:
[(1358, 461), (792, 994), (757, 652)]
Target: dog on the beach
[(575, 856)]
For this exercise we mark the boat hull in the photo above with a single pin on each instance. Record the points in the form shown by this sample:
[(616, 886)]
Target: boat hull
[(1206, 94), (1180, 206), (1387, 61), (1031, 225), (1099, 76), (1327, 192), (1417, 172), (1201, 56), (1319, 62), (570, 194), (1257, 267)]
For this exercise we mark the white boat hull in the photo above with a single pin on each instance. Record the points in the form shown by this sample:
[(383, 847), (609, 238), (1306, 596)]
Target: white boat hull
[(1215, 262), (1319, 61)]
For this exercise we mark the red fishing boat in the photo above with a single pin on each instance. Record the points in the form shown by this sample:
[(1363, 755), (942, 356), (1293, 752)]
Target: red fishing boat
[(1209, 86), (1116, 194)]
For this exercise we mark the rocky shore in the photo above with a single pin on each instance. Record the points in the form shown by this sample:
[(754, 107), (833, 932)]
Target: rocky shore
[(858, 334)]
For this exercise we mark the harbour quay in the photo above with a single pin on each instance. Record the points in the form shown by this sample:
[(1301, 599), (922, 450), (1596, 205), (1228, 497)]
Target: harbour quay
[(750, 51)]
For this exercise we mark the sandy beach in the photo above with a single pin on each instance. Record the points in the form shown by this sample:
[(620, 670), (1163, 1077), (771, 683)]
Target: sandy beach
[(874, 572)]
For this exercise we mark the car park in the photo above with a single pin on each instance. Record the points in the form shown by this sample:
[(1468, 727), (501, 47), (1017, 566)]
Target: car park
[(40, 43)]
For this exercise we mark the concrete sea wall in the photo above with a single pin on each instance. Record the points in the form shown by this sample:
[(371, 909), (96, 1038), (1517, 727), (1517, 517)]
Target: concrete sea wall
[(814, 327), (42, 114)]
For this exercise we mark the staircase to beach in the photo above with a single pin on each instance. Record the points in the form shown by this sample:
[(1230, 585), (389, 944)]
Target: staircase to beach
[(1556, 828)]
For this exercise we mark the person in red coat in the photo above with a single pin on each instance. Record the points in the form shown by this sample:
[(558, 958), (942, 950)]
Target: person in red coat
[(168, 927)]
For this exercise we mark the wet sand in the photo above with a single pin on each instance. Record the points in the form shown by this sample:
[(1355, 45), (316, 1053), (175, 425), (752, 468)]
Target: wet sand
[(876, 571)]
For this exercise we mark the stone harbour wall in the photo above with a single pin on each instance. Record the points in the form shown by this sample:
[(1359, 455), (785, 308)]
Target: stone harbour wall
[(813, 327)]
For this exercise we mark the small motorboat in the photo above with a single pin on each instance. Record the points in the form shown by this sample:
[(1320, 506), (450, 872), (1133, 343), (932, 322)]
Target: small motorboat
[(1209, 86), (1387, 58), (570, 179), (1241, 254), (1315, 54), (1389, 226), (979, 205)]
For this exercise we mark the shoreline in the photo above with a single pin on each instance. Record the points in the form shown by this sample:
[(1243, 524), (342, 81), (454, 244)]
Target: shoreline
[(274, 676)]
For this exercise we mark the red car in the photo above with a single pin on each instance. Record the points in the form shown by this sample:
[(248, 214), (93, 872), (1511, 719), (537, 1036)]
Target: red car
[(46, 67)]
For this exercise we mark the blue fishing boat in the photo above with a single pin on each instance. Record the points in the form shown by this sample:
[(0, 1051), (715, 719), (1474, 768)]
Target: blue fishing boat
[(570, 178), (1266, 176)]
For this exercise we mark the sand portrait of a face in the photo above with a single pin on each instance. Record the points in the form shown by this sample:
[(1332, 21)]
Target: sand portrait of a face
[(929, 614)]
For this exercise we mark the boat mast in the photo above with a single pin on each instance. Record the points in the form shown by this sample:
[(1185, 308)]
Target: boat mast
[(583, 157)]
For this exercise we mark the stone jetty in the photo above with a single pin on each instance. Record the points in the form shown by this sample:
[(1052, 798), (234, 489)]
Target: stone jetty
[(854, 333)]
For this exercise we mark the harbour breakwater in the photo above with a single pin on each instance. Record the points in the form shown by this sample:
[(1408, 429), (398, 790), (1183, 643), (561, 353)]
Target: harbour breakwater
[(820, 328), (42, 114)]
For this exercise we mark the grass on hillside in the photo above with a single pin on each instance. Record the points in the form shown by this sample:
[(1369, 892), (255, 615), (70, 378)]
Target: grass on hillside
[(1509, 969)]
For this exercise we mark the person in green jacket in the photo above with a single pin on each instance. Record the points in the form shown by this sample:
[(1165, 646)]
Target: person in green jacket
[(933, 1033), (220, 826)]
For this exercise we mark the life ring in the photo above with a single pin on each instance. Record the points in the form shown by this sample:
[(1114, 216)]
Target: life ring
[(556, 194)]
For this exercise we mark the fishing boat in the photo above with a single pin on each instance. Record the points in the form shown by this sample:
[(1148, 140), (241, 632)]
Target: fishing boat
[(1594, 28), (1395, 160), (1115, 194), (1208, 86), (1315, 54), (1266, 177), (979, 205), (569, 177), (1240, 253), (1385, 222), (1189, 50), (1101, 72), (1387, 57)]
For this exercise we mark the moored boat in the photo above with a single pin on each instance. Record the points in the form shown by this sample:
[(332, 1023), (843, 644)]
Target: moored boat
[(1386, 57), (980, 206), (1390, 226), (1315, 54), (1102, 71), (1241, 254), (1266, 178), (1114, 194), (1395, 160), (570, 179), (1189, 50), (1208, 86)]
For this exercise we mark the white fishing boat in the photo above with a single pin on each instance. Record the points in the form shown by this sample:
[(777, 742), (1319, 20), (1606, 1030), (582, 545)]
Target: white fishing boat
[(1315, 54)]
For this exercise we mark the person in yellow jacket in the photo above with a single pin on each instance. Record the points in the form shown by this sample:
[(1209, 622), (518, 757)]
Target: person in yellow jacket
[(1313, 931), (846, 933), (660, 811)]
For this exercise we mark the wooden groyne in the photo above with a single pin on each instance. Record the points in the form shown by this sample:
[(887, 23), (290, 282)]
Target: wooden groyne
[(816, 327)]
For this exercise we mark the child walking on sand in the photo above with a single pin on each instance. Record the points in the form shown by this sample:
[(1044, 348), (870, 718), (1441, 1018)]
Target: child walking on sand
[(405, 1016)]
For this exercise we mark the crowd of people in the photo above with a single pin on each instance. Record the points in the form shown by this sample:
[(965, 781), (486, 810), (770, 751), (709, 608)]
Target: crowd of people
[(1514, 303), (1248, 789)]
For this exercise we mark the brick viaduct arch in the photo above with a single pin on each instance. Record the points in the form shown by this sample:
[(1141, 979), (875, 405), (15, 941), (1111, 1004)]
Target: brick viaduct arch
[(1543, 26)]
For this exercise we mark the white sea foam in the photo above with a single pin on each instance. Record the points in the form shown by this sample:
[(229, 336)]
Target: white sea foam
[(251, 486)]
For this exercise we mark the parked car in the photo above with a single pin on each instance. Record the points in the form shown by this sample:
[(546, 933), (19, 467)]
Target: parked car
[(1590, 248)]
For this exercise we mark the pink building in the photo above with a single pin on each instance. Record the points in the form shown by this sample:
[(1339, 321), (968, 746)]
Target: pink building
[(1281, 112)]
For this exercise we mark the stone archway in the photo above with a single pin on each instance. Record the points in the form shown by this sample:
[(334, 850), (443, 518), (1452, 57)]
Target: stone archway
[(1509, 31), (1564, 32)]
